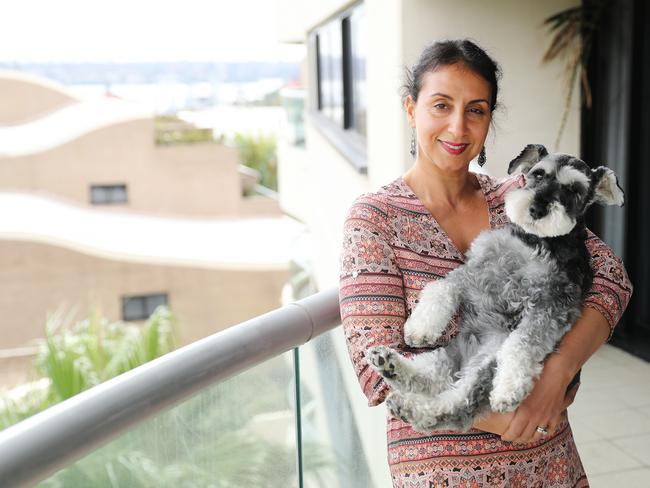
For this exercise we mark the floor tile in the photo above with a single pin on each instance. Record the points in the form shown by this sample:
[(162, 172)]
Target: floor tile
[(638, 447), (621, 423), (582, 433), (604, 457), (644, 410), (595, 401), (623, 479), (637, 395)]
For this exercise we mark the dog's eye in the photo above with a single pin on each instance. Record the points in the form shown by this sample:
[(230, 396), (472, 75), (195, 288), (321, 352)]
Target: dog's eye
[(575, 189), (538, 174)]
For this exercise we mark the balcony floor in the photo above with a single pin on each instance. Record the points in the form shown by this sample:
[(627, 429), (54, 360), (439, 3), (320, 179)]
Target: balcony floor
[(610, 419)]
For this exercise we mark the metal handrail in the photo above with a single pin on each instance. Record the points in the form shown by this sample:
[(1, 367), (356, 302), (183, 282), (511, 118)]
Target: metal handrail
[(41, 445)]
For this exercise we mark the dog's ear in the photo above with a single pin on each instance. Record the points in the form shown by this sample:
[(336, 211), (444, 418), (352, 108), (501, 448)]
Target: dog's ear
[(606, 189), (529, 157)]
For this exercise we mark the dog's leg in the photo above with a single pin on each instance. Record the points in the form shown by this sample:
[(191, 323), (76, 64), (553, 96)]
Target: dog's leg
[(454, 408), (437, 303), (520, 358), (413, 408), (427, 373)]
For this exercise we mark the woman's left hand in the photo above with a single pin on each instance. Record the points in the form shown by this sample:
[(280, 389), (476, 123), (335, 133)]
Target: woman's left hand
[(544, 406)]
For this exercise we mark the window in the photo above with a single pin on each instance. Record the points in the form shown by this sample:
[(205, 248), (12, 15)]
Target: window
[(357, 69), (107, 194), (339, 50), (141, 307), (331, 72)]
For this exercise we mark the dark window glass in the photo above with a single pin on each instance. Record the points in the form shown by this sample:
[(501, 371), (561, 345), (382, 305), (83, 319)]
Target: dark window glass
[(340, 70), (107, 194), (331, 69), (141, 307), (358, 36)]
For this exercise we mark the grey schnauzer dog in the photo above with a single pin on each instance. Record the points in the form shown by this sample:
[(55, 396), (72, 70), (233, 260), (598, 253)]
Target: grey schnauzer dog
[(520, 290)]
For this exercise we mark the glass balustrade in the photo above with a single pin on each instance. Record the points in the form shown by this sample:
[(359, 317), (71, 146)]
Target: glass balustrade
[(239, 433), (333, 455)]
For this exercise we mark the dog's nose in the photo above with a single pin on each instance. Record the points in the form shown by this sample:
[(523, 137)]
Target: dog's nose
[(538, 210)]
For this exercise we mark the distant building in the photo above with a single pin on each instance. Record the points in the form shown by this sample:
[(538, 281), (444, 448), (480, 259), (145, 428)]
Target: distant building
[(98, 216), (107, 152)]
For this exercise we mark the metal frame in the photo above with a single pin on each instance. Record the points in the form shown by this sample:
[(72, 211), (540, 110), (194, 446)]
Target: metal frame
[(41, 445)]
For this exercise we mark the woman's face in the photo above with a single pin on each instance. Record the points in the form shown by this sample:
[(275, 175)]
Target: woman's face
[(451, 117)]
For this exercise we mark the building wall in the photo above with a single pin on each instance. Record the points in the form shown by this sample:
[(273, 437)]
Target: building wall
[(38, 279), (185, 180), (25, 98)]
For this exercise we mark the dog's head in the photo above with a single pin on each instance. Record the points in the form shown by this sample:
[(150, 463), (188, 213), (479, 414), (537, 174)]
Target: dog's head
[(559, 189)]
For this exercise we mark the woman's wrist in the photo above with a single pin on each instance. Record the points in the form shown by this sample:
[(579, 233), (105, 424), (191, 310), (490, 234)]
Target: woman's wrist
[(562, 368)]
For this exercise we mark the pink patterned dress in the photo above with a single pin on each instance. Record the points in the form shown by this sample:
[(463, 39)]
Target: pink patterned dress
[(392, 247)]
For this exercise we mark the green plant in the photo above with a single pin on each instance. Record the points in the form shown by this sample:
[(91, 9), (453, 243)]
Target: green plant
[(260, 153), (573, 31), (73, 358), (170, 130)]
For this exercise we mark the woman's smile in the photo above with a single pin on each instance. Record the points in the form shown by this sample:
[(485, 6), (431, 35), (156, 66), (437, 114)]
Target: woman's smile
[(454, 149)]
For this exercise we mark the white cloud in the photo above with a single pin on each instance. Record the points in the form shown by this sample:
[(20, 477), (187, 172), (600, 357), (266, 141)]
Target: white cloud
[(141, 30)]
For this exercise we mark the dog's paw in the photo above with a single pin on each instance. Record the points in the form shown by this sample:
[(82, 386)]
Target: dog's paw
[(396, 408), (503, 401), (419, 334), (383, 360)]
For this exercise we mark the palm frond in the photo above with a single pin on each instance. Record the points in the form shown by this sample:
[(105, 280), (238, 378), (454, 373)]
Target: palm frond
[(572, 32)]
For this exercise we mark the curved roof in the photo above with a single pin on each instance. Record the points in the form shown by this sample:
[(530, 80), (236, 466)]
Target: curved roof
[(66, 124), (237, 244), (38, 82)]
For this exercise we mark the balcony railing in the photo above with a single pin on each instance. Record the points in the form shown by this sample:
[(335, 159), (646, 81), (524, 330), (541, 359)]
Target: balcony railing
[(129, 404)]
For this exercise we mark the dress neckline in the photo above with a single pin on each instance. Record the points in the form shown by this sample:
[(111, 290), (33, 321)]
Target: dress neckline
[(483, 183)]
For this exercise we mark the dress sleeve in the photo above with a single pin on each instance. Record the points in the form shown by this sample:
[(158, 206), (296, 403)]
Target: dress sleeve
[(371, 292), (611, 289)]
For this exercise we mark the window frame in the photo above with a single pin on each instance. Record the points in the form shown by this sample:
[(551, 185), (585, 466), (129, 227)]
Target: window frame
[(344, 136), (146, 306), (111, 187)]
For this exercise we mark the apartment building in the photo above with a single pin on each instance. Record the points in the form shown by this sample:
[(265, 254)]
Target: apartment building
[(99, 217)]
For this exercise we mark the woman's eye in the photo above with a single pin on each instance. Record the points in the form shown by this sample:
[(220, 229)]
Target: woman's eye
[(477, 111), (440, 106)]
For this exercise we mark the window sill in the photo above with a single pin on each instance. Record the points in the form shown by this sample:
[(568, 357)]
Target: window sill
[(351, 145)]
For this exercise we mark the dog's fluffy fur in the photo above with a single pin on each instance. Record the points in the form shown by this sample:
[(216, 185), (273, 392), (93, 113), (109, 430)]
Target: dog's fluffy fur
[(519, 291)]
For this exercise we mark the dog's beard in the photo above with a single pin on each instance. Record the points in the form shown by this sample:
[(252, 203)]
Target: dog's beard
[(555, 223)]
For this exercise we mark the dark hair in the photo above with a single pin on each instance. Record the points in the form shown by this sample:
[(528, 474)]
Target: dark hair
[(446, 53)]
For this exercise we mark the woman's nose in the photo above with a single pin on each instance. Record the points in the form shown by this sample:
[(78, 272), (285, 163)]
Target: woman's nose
[(458, 124)]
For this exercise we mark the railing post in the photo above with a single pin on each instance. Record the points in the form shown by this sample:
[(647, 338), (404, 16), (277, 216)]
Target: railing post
[(296, 377)]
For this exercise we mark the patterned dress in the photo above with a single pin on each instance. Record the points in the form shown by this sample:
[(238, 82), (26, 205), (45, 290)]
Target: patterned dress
[(392, 247)]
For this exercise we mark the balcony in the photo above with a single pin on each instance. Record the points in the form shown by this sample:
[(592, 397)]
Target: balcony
[(229, 410)]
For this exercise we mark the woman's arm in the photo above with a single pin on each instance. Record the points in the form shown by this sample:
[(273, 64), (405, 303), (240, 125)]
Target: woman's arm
[(371, 292), (547, 401)]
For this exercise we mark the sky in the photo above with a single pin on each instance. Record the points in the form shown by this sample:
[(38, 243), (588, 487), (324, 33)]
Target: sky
[(141, 31)]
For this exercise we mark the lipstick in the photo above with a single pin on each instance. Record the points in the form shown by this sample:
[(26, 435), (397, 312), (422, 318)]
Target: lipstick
[(454, 149)]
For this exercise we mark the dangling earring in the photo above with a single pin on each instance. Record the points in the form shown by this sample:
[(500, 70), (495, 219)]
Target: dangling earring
[(413, 141), (481, 157)]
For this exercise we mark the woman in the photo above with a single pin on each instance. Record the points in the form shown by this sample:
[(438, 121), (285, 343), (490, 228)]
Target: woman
[(418, 228)]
